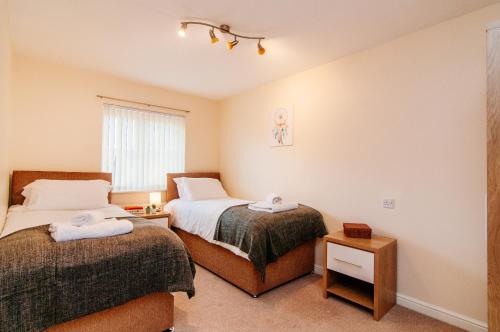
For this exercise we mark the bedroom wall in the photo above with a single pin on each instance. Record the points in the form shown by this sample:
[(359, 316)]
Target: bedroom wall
[(57, 119), (5, 75), (405, 120)]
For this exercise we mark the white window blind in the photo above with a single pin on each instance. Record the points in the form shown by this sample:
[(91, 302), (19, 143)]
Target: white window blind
[(141, 147)]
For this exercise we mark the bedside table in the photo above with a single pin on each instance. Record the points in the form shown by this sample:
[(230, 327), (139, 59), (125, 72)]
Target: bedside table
[(160, 218), (363, 271)]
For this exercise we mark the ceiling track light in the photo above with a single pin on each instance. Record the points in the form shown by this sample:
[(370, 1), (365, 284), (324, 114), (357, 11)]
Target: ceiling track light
[(232, 44), (213, 37), (182, 29), (261, 50), (225, 29)]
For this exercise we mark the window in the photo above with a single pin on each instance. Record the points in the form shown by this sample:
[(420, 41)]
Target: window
[(141, 147)]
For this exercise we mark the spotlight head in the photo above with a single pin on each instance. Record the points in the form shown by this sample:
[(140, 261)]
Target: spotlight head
[(213, 37), (182, 29), (261, 50), (231, 45)]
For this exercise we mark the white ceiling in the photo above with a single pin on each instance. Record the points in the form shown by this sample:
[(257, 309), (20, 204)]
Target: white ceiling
[(138, 39)]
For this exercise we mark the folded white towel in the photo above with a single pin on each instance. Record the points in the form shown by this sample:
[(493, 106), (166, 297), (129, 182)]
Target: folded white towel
[(262, 205), (86, 218), (273, 208), (65, 232), (273, 198)]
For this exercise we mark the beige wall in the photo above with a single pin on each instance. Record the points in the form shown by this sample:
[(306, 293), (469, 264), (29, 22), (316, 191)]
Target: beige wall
[(57, 119), (5, 75), (405, 120)]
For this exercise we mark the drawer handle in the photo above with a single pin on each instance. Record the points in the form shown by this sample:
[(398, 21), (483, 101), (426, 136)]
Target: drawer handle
[(343, 261)]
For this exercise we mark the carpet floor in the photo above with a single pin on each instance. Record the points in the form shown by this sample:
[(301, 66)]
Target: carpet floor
[(296, 306)]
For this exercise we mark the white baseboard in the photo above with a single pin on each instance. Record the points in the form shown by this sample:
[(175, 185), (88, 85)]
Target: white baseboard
[(442, 314), (431, 310)]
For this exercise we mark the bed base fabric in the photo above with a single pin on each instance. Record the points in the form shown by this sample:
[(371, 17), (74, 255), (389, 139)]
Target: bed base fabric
[(150, 313), (241, 272)]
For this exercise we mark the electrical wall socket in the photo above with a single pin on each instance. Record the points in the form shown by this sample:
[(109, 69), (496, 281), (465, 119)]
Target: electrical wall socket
[(389, 203)]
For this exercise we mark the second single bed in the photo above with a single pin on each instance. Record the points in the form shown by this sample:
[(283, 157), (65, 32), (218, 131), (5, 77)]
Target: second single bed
[(256, 251)]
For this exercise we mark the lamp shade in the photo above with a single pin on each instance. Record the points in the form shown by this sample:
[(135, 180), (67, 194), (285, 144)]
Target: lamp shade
[(182, 29), (213, 37), (231, 45), (261, 50), (155, 198)]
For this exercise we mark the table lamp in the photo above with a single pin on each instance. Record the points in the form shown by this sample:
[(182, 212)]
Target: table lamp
[(155, 199)]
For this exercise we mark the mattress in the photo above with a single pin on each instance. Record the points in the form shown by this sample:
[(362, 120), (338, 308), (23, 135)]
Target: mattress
[(201, 217), (20, 217)]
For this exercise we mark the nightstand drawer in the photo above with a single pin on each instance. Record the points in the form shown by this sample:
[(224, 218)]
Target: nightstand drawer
[(356, 263)]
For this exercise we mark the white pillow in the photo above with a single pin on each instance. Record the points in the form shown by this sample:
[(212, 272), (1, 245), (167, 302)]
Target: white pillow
[(180, 187), (27, 194), (196, 189), (66, 194)]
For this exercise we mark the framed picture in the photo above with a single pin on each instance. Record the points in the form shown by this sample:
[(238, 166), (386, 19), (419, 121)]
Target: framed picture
[(282, 126)]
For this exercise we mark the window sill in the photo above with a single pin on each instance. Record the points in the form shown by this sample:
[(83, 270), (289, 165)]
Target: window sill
[(138, 191)]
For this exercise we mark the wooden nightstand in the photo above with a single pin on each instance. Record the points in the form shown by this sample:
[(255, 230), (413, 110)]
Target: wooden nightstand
[(363, 271), (160, 218)]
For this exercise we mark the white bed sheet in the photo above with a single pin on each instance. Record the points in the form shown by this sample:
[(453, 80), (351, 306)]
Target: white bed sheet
[(20, 217), (200, 218)]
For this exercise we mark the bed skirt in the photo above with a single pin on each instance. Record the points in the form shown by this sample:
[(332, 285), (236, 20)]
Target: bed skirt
[(241, 272)]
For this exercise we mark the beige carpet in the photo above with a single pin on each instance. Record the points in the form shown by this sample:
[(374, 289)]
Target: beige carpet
[(296, 306)]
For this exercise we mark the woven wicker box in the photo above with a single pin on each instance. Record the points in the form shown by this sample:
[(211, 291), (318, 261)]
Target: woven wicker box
[(357, 230)]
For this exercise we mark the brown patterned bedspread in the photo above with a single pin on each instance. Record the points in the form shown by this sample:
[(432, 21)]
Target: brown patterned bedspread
[(43, 283)]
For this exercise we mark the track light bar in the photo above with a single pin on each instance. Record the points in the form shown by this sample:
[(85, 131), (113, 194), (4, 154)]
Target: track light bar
[(226, 30)]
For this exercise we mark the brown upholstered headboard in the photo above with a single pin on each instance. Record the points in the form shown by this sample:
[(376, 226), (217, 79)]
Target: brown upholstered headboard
[(22, 178), (172, 187)]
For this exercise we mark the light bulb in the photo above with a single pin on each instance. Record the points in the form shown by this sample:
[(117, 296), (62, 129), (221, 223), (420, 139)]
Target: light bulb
[(261, 50), (182, 29), (232, 44), (213, 37)]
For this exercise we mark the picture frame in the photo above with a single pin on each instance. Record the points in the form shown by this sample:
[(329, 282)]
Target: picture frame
[(282, 126)]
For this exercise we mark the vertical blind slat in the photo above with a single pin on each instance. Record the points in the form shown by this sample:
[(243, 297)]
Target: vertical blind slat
[(140, 147)]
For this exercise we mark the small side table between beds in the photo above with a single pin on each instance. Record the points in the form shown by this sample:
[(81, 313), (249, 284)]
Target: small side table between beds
[(363, 271)]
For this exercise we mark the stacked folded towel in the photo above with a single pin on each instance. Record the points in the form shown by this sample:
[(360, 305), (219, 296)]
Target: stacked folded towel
[(111, 227), (89, 224), (273, 203), (87, 218), (274, 198)]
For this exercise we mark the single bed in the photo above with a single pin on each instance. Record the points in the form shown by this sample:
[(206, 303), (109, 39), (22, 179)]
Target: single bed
[(119, 283), (236, 267)]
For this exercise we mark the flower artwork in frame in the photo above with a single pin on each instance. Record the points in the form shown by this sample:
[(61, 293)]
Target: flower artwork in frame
[(282, 126)]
